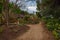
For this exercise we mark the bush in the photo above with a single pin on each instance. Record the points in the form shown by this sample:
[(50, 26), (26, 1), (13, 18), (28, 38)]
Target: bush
[(53, 25)]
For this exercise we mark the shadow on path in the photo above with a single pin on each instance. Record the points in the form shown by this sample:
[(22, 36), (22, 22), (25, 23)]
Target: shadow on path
[(13, 32)]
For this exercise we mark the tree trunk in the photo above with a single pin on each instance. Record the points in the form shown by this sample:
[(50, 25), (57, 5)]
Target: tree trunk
[(6, 11)]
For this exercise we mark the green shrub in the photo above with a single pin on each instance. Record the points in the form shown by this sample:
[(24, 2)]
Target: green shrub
[(53, 25)]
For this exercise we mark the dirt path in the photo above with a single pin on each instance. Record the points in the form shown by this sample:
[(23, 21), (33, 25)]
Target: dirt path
[(36, 32)]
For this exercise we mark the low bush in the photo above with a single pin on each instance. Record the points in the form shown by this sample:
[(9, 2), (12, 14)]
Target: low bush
[(53, 25)]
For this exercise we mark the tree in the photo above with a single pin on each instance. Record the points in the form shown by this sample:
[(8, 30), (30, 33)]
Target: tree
[(1, 6), (49, 7), (51, 12), (38, 9), (6, 10)]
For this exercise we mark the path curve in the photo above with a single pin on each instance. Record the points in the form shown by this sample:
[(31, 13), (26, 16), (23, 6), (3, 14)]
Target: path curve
[(36, 32)]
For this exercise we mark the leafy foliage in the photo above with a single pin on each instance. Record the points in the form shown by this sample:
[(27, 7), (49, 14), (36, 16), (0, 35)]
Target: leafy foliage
[(50, 11)]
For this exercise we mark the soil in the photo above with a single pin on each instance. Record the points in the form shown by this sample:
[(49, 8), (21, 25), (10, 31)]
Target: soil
[(27, 32)]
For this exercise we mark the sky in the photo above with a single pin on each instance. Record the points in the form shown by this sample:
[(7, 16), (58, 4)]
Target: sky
[(31, 6), (28, 5)]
